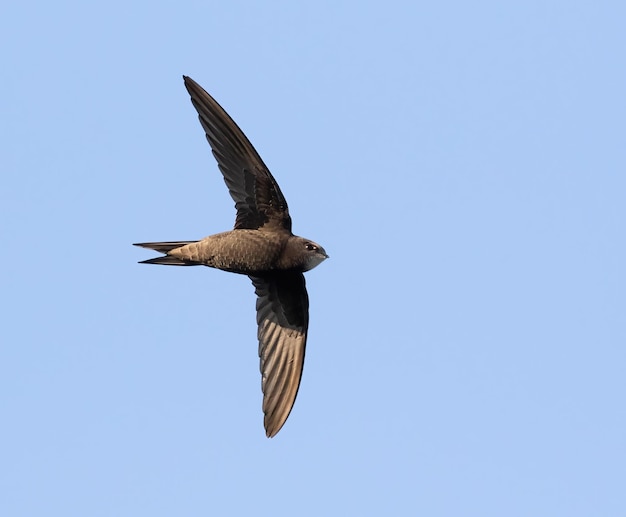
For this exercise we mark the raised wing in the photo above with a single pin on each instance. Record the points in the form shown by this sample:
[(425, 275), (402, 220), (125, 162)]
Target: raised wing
[(283, 318), (258, 199)]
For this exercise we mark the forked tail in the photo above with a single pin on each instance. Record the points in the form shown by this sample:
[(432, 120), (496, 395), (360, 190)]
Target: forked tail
[(166, 247)]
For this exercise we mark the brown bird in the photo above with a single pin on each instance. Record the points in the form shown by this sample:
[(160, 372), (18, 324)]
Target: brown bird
[(261, 246)]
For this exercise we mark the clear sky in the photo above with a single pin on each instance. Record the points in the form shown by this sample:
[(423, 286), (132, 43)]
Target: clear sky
[(464, 165)]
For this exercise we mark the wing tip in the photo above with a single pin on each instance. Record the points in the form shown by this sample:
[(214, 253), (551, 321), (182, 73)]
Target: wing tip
[(272, 430)]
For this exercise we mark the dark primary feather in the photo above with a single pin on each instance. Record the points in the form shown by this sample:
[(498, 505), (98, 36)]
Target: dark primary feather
[(283, 319), (258, 199)]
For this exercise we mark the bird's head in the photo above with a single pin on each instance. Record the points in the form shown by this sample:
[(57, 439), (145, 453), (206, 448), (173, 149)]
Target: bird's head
[(306, 253)]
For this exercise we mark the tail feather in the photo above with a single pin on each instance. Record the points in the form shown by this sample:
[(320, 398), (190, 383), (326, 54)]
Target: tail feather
[(166, 260), (166, 247), (163, 247)]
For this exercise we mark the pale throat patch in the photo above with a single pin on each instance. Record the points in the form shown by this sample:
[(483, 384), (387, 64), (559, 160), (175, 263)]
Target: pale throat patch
[(313, 261)]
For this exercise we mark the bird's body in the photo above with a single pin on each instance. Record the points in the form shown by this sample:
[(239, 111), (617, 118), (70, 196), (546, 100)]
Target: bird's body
[(261, 246), (247, 252)]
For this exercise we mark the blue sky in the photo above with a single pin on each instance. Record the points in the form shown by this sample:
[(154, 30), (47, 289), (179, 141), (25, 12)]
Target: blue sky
[(463, 163)]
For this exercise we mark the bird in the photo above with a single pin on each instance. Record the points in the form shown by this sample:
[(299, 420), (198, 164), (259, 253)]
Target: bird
[(262, 246)]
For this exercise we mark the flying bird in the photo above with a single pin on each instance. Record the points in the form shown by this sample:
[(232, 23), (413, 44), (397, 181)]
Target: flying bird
[(262, 246)]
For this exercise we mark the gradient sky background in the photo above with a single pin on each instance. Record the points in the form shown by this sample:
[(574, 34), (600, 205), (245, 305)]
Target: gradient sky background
[(464, 165)]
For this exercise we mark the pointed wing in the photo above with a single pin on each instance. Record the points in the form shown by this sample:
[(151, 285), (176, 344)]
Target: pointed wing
[(283, 318), (257, 196)]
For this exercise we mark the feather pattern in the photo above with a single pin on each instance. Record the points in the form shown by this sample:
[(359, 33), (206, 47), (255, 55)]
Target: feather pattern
[(283, 319), (258, 198)]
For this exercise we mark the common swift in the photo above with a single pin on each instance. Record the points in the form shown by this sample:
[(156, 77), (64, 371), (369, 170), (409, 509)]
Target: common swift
[(262, 246)]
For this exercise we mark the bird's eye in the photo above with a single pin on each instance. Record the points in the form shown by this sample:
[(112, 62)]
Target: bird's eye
[(310, 247)]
